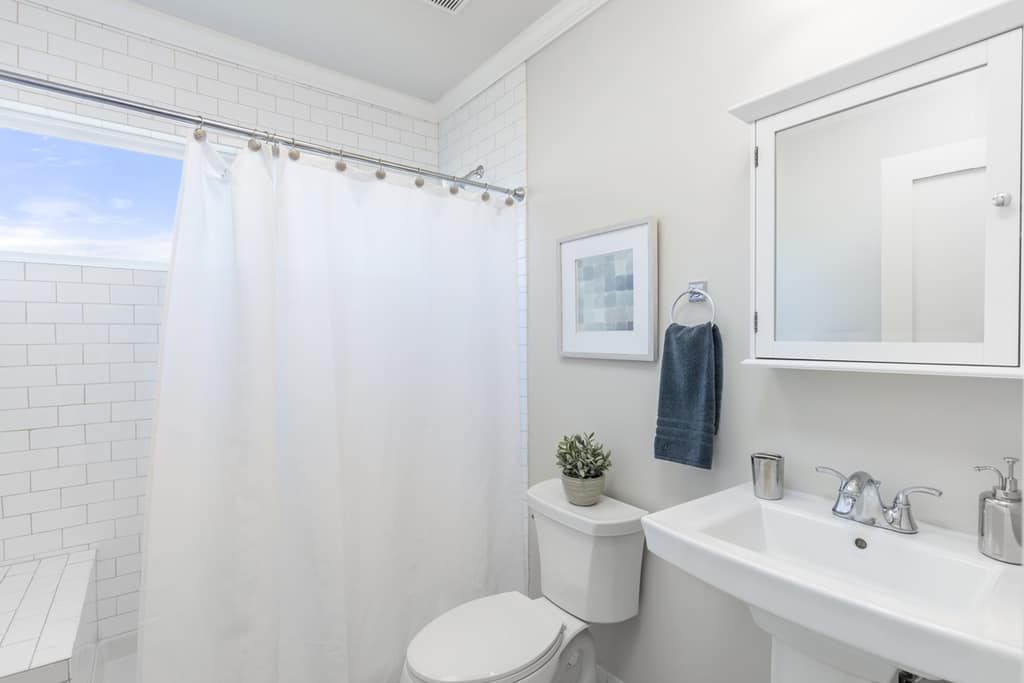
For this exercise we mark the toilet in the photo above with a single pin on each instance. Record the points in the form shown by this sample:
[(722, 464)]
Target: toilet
[(590, 561)]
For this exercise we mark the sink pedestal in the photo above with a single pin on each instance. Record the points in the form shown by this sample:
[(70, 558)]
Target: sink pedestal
[(800, 655)]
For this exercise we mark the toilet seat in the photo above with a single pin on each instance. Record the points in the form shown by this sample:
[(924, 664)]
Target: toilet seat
[(499, 638)]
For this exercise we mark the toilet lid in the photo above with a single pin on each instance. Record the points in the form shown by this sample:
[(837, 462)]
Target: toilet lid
[(485, 640)]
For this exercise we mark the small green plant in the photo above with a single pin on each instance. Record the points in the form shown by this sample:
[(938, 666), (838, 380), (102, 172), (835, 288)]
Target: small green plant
[(582, 457)]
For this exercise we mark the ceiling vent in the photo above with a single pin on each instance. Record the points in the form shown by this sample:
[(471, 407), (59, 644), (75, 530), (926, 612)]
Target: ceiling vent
[(450, 6)]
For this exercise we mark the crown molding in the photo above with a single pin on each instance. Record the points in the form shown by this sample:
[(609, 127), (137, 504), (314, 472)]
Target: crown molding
[(146, 22), (1003, 15), (532, 40), (149, 23)]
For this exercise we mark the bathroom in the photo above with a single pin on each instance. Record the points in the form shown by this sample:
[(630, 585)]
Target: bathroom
[(607, 113)]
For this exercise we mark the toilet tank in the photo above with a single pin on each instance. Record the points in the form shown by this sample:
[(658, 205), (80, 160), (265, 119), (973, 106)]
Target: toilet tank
[(590, 557)]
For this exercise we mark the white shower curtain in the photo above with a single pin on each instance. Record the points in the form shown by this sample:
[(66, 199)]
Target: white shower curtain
[(335, 454)]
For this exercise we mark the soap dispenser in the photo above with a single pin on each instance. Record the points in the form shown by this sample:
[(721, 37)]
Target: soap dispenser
[(999, 518)]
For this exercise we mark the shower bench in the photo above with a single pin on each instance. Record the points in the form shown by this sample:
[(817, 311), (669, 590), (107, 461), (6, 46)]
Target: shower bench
[(48, 619)]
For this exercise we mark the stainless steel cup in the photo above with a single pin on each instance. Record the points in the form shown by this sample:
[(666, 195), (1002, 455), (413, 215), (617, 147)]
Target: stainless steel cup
[(767, 470)]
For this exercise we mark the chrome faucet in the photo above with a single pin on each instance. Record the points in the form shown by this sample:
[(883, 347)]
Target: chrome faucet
[(860, 500)]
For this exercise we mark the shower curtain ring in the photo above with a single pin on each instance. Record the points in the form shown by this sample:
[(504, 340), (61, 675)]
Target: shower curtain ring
[(293, 153), (254, 144), (381, 173), (199, 134), (419, 178), (340, 164), (486, 195), (509, 201)]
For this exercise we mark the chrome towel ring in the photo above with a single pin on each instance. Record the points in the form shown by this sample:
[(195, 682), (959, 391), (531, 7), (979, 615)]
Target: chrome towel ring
[(695, 294)]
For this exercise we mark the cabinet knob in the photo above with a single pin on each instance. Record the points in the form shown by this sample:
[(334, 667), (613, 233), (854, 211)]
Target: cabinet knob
[(1001, 199)]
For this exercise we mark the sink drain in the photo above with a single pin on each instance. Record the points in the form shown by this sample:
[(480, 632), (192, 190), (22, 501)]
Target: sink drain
[(860, 543)]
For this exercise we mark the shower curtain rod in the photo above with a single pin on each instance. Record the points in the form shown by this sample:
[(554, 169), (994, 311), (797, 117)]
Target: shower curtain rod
[(519, 193)]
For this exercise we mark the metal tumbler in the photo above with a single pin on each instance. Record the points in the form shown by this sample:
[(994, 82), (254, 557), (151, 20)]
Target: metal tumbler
[(767, 471)]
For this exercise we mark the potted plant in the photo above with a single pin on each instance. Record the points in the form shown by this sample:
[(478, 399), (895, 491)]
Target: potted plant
[(583, 462)]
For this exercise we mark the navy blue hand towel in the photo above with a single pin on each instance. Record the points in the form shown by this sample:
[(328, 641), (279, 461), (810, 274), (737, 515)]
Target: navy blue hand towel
[(690, 401)]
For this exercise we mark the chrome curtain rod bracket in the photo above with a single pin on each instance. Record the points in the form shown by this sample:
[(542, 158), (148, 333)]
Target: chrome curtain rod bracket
[(477, 173), (519, 193)]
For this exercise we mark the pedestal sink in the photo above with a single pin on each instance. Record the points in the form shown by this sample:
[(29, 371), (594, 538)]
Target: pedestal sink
[(844, 602)]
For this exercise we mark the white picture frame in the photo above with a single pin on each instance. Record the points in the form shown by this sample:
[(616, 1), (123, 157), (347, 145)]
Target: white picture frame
[(608, 292)]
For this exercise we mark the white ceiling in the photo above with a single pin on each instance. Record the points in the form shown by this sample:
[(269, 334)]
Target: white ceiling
[(406, 45)]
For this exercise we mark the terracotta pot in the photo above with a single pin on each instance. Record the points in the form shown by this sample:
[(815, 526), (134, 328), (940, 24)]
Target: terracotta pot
[(583, 492)]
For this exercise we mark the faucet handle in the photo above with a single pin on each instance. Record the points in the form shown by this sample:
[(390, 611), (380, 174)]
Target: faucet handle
[(900, 516), (821, 469), (902, 498)]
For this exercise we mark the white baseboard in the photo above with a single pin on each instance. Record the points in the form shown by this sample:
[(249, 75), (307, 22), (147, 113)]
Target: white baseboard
[(110, 649), (605, 677), (124, 646)]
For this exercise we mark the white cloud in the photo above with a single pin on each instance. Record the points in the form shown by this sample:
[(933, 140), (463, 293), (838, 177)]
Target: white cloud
[(58, 226), (36, 240), (49, 211)]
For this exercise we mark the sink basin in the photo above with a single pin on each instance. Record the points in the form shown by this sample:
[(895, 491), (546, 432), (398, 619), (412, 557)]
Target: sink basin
[(848, 602)]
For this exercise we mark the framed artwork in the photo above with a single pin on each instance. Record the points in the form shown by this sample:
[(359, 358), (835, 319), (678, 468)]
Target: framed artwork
[(609, 292)]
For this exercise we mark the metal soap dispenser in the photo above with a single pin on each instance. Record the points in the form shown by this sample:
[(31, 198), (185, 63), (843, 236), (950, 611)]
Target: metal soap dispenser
[(999, 519)]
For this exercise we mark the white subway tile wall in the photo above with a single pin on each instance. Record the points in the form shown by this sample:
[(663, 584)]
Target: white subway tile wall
[(79, 364), (490, 129), (43, 41)]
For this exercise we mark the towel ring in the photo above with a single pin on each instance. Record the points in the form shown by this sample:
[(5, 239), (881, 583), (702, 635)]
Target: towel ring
[(695, 294)]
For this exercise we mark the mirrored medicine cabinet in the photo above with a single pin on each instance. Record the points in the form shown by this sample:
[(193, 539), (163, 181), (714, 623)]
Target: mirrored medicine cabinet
[(887, 220)]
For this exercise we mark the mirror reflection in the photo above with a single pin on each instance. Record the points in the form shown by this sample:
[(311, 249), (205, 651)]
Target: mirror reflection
[(880, 219)]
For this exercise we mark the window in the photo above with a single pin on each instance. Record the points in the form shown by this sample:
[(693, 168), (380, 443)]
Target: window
[(85, 201)]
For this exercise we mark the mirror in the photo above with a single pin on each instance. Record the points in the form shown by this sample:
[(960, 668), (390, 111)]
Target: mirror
[(880, 218)]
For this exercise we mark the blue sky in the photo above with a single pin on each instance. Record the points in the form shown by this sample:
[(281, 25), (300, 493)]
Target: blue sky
[(69, 198)]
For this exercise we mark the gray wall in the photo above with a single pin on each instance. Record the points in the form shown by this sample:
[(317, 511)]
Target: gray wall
[(627, 117)]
